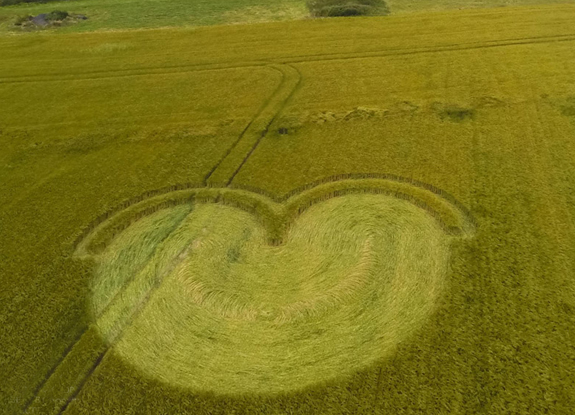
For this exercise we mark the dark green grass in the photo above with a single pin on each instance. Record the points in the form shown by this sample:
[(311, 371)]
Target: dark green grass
[(335, 8)]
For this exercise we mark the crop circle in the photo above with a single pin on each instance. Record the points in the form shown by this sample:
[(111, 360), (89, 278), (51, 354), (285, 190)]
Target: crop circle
[(195, 296)]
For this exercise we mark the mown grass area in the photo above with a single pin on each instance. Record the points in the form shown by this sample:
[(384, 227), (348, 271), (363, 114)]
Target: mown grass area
[(478, 104), (129, 14), (142, 14)]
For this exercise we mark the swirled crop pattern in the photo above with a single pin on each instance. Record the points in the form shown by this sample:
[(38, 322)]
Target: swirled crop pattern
[(220, 309)]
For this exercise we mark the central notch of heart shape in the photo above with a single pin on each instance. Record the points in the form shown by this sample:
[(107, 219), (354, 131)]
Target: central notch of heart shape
[(250, 295)]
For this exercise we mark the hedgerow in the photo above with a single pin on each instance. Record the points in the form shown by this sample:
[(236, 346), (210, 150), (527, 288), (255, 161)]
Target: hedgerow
[(334, 8)]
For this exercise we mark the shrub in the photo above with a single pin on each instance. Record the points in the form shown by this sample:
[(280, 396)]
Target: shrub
[(56, 15), (458, 114), (331, 8)]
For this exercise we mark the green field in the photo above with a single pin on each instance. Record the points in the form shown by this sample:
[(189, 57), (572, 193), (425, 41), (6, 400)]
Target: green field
[(131, 14), (334, 216)]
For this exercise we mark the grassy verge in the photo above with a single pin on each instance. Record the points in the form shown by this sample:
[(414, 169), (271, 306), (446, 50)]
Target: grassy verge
[(148, 14), (126, 14)]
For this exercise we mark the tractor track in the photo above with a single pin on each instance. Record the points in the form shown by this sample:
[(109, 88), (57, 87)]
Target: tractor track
[(182, 69)]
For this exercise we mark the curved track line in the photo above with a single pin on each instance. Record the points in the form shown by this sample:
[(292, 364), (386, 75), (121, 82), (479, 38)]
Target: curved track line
[(300, 199), (236, 157), (294, 88), (246, 129)]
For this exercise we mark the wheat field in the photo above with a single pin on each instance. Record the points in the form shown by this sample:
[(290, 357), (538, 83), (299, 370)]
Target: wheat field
[(331, 216)]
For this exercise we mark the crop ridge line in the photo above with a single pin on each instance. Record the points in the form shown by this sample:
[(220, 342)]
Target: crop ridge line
[(360, 176), (103, 217), (257, 190), (110, 213), (111, 120), (41, 126), (219, 197)]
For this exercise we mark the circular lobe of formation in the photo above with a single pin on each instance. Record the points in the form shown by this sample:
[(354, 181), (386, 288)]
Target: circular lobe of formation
[(194, 295)]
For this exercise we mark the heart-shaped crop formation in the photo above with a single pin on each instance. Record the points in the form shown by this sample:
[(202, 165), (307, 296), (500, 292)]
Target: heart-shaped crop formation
[(227, 290)]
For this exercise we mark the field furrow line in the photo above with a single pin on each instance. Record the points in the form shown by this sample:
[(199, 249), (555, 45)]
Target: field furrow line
[(438, 49), (122, 73), (182, 69)]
